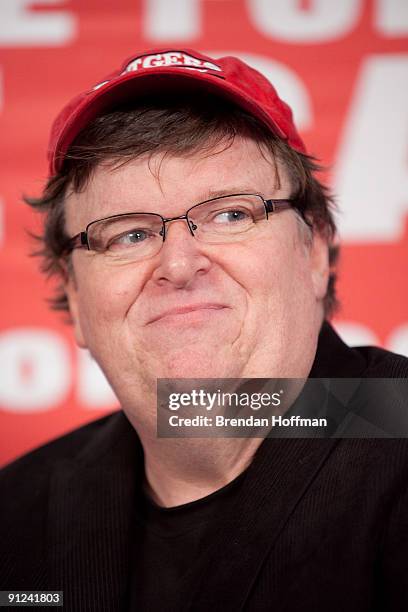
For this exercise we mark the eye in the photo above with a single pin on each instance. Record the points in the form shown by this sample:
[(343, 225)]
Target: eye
[(232, 216), (129, 239)]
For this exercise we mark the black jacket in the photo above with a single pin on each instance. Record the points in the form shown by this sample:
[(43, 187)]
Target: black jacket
[(322, 524)]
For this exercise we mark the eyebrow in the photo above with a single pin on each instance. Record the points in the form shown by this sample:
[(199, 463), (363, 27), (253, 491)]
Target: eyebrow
[(218, 193)]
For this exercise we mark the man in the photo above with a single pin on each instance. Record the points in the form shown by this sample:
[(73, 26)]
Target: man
[(193, 240)]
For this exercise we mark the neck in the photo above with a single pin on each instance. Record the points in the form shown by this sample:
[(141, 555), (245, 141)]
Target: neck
[(182, 470), (179, 471)]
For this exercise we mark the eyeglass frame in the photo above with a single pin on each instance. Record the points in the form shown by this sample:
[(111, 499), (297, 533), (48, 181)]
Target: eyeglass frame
[(272, 205)]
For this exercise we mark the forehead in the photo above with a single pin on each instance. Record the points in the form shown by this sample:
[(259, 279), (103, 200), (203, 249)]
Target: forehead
[(170, 184)]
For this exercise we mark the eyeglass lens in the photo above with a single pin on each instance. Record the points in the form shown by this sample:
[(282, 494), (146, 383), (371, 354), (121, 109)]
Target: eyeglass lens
[(140, 235)]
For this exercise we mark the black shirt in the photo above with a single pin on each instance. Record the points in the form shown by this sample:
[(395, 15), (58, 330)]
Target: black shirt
[(167, 543)]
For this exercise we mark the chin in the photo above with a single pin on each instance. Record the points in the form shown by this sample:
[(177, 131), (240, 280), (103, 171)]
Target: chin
[(196, 363)]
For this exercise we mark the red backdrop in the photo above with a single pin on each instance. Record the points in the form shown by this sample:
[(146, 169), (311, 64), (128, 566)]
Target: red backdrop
[(343, 66)]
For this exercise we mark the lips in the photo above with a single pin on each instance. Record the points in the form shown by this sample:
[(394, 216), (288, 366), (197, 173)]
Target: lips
[(179, 311)]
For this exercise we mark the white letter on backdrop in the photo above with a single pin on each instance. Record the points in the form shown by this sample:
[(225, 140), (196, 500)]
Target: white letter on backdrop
[(34, 370), (93, 388), (172, 19), (391, 17), (1, 200), (371, 174), (355, 334), (22, 27), (286, 20), (398, 340), (288, 84)]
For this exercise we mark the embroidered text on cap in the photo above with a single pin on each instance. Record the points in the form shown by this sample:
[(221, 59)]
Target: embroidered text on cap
[(172, 58)]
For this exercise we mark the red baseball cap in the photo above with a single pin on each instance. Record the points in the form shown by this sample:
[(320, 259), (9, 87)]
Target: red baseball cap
[(168, 70)]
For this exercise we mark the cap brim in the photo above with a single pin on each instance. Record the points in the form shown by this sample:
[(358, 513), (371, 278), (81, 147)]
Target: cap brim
[(158, 81)]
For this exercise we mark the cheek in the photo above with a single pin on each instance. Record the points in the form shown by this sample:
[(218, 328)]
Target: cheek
[(271, 270), (280, 282), (104, 298)]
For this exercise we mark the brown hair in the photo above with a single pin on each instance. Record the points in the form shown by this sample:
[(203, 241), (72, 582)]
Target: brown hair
[(175, 127)]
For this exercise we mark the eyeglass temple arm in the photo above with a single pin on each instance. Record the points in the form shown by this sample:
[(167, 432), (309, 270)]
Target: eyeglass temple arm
[(278, 205), (80, 241)]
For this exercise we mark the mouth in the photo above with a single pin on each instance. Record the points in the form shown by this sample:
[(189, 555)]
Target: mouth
[(188, 312)]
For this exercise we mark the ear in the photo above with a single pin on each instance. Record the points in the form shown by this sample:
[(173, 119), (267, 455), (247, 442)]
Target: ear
[(71, 291), (319, 264)]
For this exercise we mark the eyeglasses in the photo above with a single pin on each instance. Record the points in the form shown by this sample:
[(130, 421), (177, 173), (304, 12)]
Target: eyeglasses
[(140, 235)]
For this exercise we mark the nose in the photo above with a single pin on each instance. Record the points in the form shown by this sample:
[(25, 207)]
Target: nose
[(181, 259)]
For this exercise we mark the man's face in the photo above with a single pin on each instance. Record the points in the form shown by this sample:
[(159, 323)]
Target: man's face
[(246, 309)]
